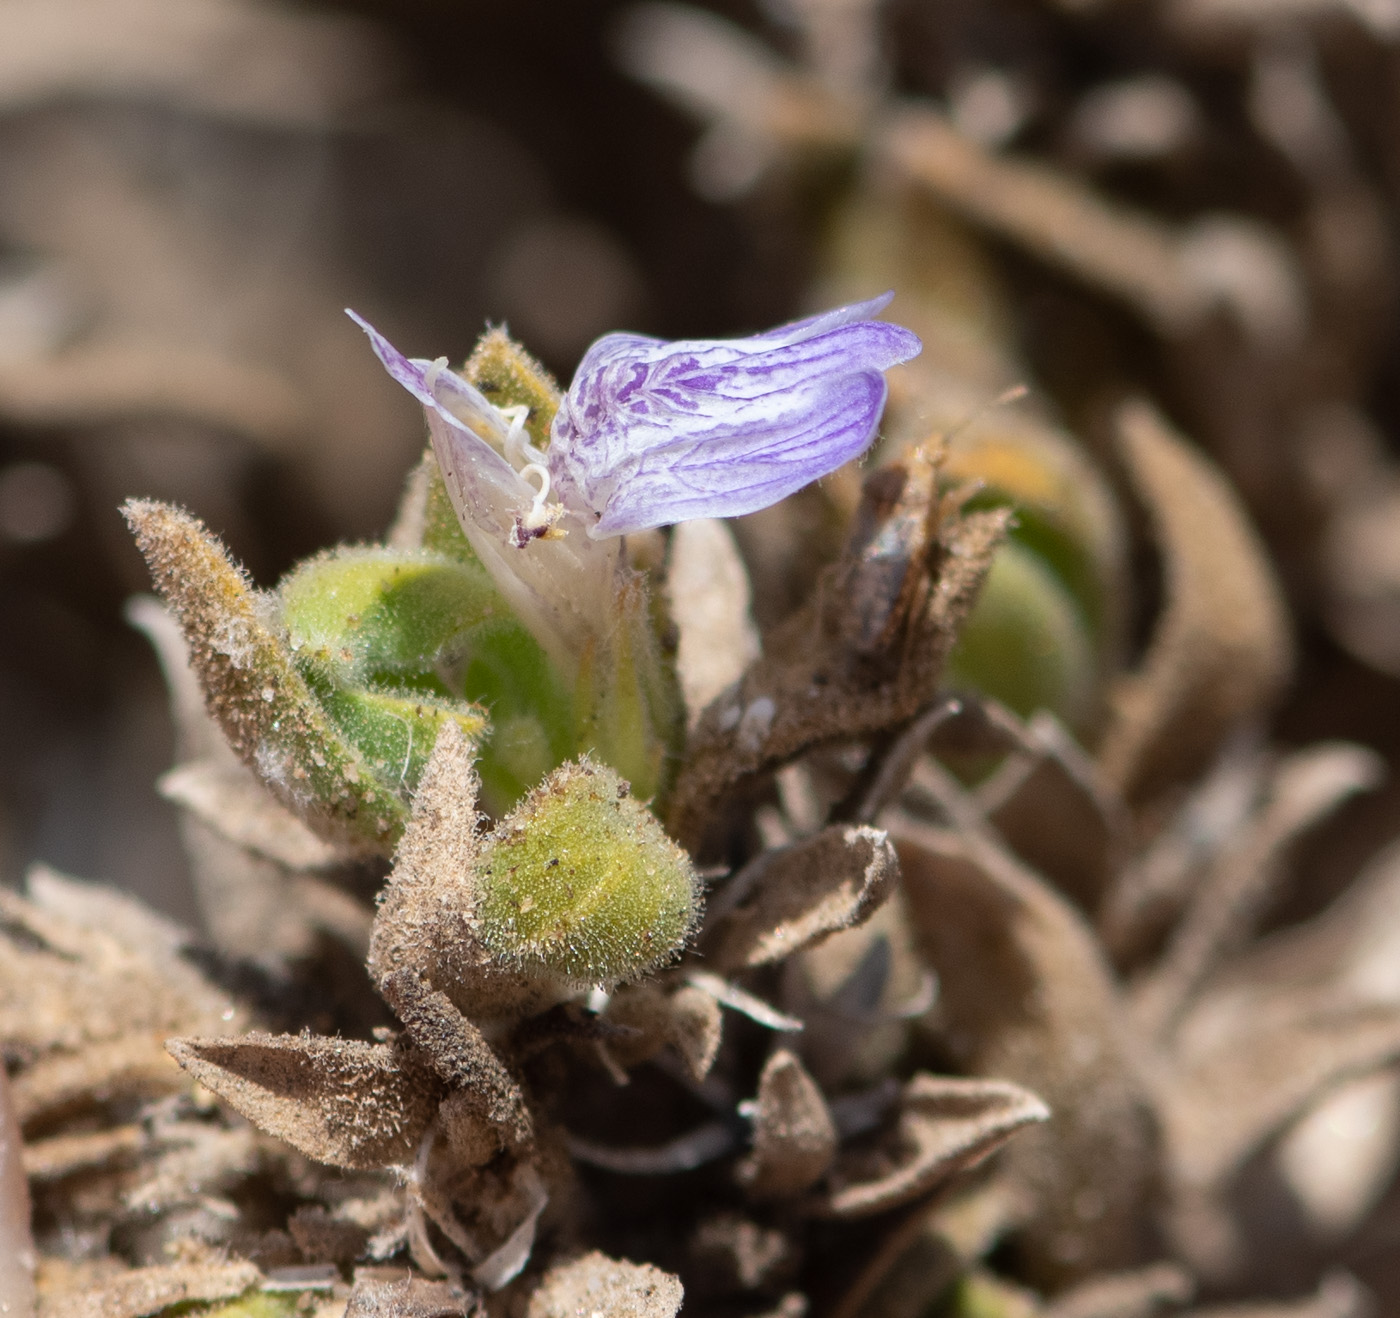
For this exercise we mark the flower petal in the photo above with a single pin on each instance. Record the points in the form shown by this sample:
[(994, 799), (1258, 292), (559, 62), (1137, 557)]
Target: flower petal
[(653, 432)]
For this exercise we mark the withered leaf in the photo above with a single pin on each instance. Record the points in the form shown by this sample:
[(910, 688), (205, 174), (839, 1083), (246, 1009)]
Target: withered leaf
[(800, 894), (338, 1101), (143, 1292), (707, 589), (134, 1066), (229, 799), (687, 1018), (1138, 1294), (84, 963), (1025, 994), (459, 1053), (17, 1256), (945, 1125), (1047, 803), (1222, 648), (611, 1288), (863, 656), (62, 1155), (1339, 1295), (794, 1137), (1306, 786), (406, 1297)]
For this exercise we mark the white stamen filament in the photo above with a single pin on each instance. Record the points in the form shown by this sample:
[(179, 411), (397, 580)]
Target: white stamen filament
[(515, 436), (538, 515), (430, 376)]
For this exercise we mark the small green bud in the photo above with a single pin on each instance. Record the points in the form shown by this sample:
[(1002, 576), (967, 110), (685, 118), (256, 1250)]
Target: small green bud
[(373, 614), (1026, 643), (580, 882)]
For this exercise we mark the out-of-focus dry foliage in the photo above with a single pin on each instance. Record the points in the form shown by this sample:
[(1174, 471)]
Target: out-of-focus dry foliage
[(1076, 997)]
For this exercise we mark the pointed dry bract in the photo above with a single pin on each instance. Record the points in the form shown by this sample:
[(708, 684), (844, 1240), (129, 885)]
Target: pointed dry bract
[(802, 894), (253, 689), (338, 1101), (794, 1137)]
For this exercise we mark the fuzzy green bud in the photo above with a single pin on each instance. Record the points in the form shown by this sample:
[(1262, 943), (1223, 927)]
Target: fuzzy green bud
[(1026, 643), (581, 883)]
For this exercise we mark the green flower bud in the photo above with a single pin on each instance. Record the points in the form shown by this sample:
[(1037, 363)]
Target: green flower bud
[(581, 883), (374, 614), (1026, 643), (510, 377)]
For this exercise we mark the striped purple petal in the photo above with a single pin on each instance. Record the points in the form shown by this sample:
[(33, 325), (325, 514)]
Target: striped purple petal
[(652, 432)]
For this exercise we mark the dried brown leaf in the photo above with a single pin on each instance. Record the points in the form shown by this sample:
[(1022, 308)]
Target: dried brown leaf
[(62, 1155), (611, 1288), (799, 895), (687, 1018), (1222, 648), (1174, 278), (231, 801), (406, 1297), (794, 1137), (83, 963), (1025, 994), (946, 1125), (1046, 802), (862, 657), (134, 1066), (1139, 1294), (143, 1292), (707, 589), (1304, 789), (338, 1101), (936, 1242)]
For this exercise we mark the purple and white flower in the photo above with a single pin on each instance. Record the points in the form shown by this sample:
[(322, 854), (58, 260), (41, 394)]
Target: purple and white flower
[(650, 433)]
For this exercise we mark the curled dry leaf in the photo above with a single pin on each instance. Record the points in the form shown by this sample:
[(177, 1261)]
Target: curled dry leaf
[(252, 688), (945, 1126), (338, 1101), (1339, 1295), (1304, 789), (611, 1288), (863, 657), (707, 588), (794, 1137), (798, 895), (686, 1018), (1048, 805), (143, 1292), (1025, 994), (1222, 648), (934, 1244)]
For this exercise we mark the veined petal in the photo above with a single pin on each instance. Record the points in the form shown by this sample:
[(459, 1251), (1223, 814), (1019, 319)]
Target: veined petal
[(653, 432)]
